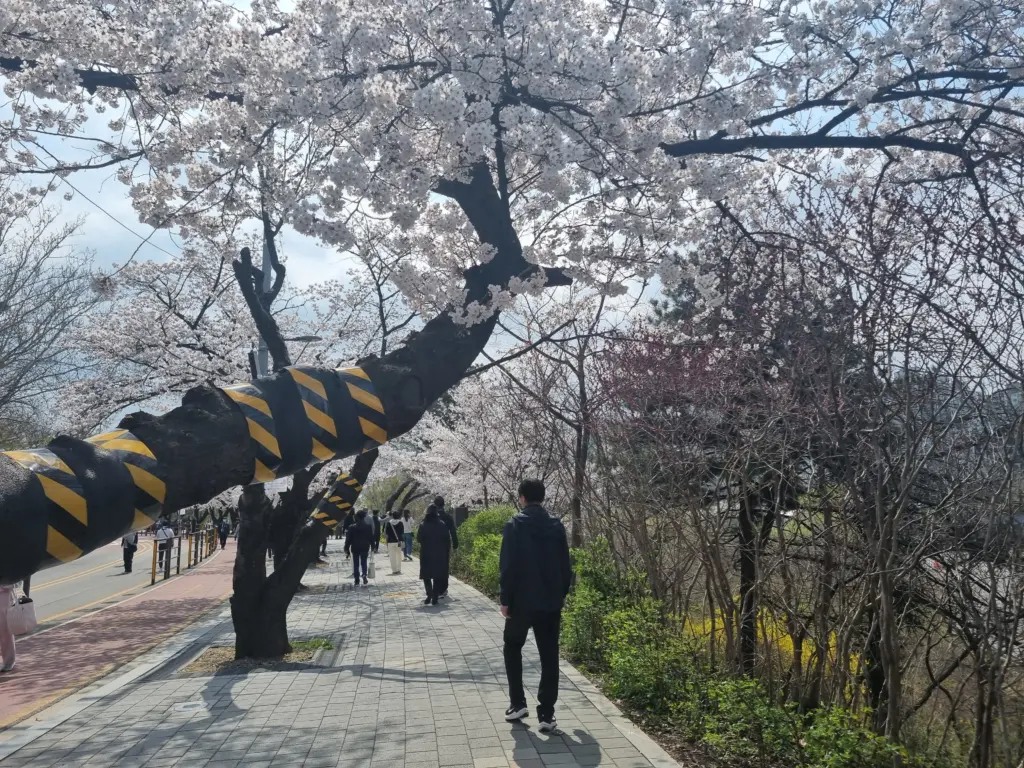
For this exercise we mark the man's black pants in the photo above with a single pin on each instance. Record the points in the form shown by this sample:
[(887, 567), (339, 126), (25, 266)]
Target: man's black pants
[(129, 555), (545, 631)]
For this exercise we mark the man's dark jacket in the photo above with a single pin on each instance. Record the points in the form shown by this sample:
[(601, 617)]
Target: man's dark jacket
[(449, 523), (359, 535), (535, 570)]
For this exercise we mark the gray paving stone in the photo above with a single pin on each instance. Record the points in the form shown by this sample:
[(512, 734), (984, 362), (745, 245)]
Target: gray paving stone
[(404, 688)]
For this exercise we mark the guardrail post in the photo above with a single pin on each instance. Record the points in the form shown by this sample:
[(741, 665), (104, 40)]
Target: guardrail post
[(178, 571), (152, 579)]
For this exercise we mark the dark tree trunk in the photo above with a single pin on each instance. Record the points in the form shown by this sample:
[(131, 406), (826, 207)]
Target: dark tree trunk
[(252, 638), (755, 522), (259, 606)]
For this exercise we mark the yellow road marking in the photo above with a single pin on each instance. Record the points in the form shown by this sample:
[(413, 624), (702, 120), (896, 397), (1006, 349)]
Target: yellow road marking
[(94, 569)]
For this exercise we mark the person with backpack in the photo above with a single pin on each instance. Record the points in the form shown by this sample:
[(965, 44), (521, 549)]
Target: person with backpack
[(358, 540), (394, 533), (435, 549), (535, 574), (449, 524), (129, 546), (347, 523)]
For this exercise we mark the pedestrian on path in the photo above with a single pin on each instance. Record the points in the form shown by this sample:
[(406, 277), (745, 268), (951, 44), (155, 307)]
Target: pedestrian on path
[(164, 540), (409, 526), (449, 523), (358, 540), (435, 549), (129, 546), (376, 532), (347, 523), (7, 646), (394, 533), (535, 574), (223, 529)]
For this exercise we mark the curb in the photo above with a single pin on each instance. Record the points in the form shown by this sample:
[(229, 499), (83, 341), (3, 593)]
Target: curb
[(645, 745), (22, 734)]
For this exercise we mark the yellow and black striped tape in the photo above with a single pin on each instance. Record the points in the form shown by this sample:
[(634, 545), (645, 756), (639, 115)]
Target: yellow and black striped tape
[(150, 488), (68, 513), (302, 415), (262, 430), (339, 500), (91, 491), (369, 409)]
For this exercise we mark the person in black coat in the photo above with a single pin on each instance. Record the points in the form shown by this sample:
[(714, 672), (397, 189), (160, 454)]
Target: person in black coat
[(535, 576), (375, 546), (358, 539), (449, 523), (435, 548), (347, 523)]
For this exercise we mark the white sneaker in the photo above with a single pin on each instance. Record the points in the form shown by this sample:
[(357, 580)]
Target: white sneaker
[(7, 667), (515, 714), (547, 726)]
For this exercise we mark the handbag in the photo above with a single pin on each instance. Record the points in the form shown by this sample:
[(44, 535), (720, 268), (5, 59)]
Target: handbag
[(21, 617)]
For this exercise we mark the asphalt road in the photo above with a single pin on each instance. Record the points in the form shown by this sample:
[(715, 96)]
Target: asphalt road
[(66, 591)]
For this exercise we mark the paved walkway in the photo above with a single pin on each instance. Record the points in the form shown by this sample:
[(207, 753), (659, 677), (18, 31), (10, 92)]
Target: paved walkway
[(406, 686), (56, 662)]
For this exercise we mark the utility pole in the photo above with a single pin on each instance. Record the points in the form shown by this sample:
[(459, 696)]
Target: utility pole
[(263, 354)]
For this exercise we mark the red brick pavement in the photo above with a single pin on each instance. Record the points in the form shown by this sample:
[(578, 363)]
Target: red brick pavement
[(56, 663)]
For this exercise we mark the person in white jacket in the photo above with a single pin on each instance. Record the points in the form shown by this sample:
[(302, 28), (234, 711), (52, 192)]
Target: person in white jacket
[(7, 647), (394, 535)]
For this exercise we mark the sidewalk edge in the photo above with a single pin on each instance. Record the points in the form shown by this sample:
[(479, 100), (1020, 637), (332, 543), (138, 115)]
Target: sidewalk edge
[(19, 735)]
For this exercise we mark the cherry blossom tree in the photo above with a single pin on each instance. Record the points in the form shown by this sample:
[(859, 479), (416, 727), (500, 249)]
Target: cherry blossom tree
[(47, 289)]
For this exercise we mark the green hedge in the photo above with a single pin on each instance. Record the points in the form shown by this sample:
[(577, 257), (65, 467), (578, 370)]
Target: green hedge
[(476, 559), (614, 629)]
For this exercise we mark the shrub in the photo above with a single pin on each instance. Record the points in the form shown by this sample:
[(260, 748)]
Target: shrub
[(483, 563), (835, 740), (486, 522)]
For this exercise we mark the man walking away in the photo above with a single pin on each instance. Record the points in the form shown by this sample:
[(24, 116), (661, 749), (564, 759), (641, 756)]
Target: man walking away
[(129, 546), (376, 531), (535, 574), (223, 529), (358, 539), (394, 533), (347, 523), (449, 523), (435, 548)]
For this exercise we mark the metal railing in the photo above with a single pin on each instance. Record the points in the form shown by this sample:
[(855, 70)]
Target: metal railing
[(167, 552)]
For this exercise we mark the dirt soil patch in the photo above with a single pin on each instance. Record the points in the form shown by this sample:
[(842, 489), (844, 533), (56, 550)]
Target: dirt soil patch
[(219, 660)]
